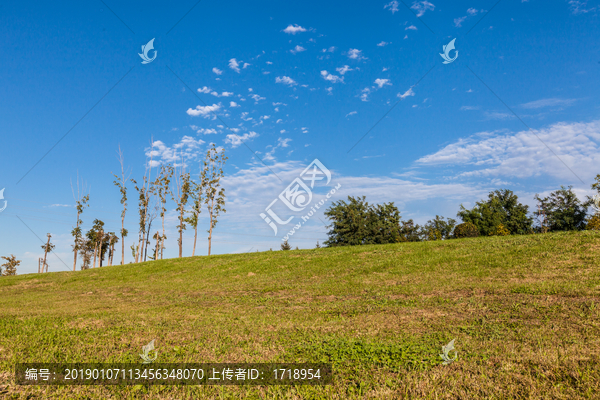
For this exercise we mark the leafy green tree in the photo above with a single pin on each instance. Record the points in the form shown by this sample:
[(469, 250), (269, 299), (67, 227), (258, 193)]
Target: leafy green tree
[(10, 266), (563, 210), (212, 173), (285, 245), (81, 202), (438, 229), (410, 232), (357, 222), (501, 208), (594, 223)]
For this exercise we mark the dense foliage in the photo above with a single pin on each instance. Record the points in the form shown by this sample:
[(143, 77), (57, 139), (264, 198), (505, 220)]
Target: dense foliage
[(563, 210), (501, 208), (466, 229)]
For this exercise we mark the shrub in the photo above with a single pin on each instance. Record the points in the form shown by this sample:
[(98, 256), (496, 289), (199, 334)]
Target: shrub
[(500, 231), (594, 223), (285, 246), (466, 229)]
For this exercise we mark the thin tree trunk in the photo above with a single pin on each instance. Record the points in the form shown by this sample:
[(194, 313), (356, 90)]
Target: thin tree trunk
[(76, 244), (39, 264), (181, 234), (46, 253), (95, 252), (195, 236), (100, 248), (122, 242), (162, 240)]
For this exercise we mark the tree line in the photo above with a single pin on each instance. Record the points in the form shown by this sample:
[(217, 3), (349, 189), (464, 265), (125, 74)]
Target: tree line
[(356, 222), (190, 195)]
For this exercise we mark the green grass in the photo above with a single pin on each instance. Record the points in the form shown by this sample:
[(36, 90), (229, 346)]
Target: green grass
[(523, 310)]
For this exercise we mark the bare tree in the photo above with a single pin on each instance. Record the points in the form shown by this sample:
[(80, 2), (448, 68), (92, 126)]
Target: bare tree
[(48, 247), (81, 202), (212, 172), (163, 185), (121, 183), (181, 196), (196, 192)]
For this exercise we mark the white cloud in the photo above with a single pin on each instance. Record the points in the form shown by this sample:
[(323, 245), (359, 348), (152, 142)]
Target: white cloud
[(279, 121), (421, 7), (233, 104), (523, 155), (551, 102), (246, 65), (329, 50), (257, 98), (234, 65), (204, 111), (226, 94), (365, 94), (469, 108), (458, 21), (355, 54), (382, 82), (282, 131), (472, 11), (409, 92), (393, 6), (329, 90), (351, 113), (206, 131), (382, 43), (285, 80), (297, 49), (293, 29), (187, 149), (410, 28), (269, 62), (331, 78), (217, 71), (236, 140), (579, 7), (343, 70), (204, 89)]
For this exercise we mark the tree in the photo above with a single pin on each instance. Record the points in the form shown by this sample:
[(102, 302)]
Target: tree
[(438, 229), (163, 185), (81, 202), (95, 237), (86, 251), (318, 246), (356, 222), (285, 246), (196, 192), (112, 240), (410, 232), (501, 207), (465, 230), (594, 223), (211, 175), (10, 266), (121, 183), (563, 210), (48, 247), (181, 197)]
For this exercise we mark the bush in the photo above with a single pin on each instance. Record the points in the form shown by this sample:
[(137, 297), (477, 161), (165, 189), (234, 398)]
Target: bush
[(286, 246), (500, 231), (466, 229), (594, 223)]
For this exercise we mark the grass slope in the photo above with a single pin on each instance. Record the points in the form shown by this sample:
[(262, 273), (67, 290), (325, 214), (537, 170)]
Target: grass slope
[(523, 310)]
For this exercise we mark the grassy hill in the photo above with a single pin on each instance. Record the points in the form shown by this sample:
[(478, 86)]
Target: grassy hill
[(524, 312)]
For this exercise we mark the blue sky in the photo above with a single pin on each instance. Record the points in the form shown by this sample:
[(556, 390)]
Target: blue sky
[(292, 83)]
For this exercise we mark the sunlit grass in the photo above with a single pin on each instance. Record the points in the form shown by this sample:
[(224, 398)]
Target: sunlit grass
[(523, 310)]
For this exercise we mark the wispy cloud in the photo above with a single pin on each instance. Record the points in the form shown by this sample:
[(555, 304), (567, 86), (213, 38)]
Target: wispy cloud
[(355, 54), (331, 78), (409, 92), (351, 113), (410, 28), (297, 49), (392, 6), (204, 111), (236, 140), (234, 65), (382, 43), (293, 29), (551, 102), (421, 7), (285, 80), (217, 71), (382, 82)]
